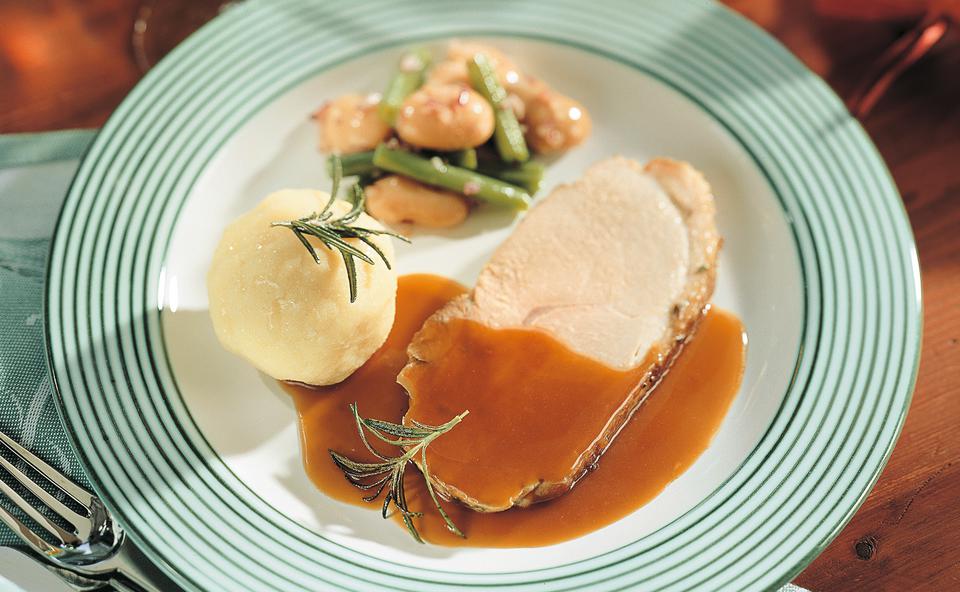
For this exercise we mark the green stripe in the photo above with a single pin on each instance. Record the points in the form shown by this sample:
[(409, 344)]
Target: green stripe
[(105, 160), (471, 32), (137, 178), (812, 480)]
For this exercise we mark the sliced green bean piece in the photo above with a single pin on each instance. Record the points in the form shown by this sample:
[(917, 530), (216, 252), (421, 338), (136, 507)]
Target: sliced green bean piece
[(358, 163), (368, 179), (434, 171), (466, 158), (528, 175), (507, 136), (409, 77)]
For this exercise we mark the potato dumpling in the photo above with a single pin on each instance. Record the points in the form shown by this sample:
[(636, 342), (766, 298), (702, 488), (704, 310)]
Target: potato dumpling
[(289, 316)]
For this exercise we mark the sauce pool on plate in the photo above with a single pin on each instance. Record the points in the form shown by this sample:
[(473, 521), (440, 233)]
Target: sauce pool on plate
[(665, 436)]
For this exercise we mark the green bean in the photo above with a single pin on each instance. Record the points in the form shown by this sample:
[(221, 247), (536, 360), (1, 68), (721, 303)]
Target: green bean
[(408, 78), (434, 171), (358, 163), (466, 158), (366, 179), (528, 175), (507, 136)]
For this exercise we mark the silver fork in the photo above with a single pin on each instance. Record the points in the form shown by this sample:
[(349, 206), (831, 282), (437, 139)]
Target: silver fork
[(94, 548)]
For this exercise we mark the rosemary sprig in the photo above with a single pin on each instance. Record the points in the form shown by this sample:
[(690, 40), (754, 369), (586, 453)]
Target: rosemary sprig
[(334, 232), (388, 474)]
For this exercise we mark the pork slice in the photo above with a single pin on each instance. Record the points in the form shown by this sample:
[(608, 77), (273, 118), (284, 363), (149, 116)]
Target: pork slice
[(618, 266)]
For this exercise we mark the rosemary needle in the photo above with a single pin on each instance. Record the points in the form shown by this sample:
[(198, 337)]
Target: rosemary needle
[(388, 475), (334, 232)]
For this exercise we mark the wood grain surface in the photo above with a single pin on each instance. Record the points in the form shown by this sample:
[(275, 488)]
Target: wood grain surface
[(68, 63)]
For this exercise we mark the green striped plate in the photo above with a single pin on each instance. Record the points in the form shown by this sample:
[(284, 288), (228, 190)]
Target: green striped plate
[(197, 454)]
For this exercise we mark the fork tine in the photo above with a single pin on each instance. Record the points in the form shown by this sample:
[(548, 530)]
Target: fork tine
[(28, 536), (79, 494), (80, 523), (66, 538)]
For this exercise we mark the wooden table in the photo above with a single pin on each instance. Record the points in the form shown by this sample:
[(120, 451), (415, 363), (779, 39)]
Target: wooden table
[(68, 63)]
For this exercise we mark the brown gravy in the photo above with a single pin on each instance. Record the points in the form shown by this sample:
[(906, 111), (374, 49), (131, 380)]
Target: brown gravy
[(665, 436), (534, 405)]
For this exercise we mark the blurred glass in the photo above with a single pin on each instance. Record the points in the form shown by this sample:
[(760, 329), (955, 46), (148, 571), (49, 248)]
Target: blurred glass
[(161, 25)]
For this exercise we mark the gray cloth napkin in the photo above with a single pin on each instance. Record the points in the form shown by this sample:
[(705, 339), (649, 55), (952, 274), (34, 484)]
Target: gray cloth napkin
[(35, 172)]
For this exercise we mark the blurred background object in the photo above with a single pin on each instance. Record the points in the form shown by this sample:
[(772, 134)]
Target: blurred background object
[(932, 17), (161, 25), (63, 64), (69, 63)]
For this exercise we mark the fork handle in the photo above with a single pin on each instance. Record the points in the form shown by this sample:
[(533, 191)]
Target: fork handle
[(122, 582), (136, 573), (129, 570)]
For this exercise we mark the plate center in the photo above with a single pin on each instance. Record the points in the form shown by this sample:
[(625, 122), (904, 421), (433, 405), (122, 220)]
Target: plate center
[(250, 422)]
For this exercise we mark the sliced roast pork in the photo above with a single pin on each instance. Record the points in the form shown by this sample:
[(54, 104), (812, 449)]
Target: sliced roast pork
[(618, 267)]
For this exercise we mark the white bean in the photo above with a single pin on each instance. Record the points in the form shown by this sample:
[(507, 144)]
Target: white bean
[(448, 72), (351, 124), (445, 117), (461, 51), (397, 200), (555, 122)]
